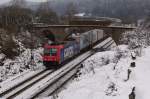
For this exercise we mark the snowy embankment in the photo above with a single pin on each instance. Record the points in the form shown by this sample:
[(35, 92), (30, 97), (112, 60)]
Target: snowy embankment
[(141, 75), (22, 63), (105, 76)]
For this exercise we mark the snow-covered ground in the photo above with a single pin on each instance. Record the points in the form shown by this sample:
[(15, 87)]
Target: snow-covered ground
[(104, 76), (141, 76)]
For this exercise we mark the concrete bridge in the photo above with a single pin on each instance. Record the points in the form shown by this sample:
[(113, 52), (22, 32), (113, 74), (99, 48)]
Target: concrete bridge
[(59, 32)]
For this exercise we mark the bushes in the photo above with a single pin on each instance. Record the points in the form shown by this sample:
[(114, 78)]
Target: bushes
[(10, 48), (138, 38), (8, 45), (11, 44)]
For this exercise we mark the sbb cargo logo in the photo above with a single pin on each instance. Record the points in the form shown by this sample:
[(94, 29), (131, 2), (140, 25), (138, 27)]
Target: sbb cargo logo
[(68, 52)]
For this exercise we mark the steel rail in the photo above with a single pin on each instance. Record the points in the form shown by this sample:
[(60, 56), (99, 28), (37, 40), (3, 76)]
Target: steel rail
[(14, 89)]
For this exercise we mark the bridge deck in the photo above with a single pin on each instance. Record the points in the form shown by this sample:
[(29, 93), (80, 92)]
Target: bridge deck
[(82, 26)]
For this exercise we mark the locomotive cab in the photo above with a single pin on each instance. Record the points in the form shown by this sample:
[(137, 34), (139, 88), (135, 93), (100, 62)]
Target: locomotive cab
[(52, 55)]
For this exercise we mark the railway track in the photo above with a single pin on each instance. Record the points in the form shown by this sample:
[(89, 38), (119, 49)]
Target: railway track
[(23, 85), (46, 82), (60, 80)]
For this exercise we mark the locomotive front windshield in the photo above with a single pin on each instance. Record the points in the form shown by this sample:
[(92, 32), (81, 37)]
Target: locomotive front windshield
[(53, 52), (50, 52)]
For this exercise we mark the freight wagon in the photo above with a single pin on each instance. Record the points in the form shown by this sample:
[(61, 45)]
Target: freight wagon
[(58, 53)]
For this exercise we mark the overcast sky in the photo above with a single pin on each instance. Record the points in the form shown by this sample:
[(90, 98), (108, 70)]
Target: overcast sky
[(4, 1)]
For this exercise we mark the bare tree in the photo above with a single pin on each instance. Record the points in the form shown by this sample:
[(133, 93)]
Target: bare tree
[(18, 3), (71, 10), (14, 16), (46, 15)]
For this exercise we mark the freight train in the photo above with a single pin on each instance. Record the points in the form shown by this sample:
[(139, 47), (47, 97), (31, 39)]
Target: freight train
[(56, 53)]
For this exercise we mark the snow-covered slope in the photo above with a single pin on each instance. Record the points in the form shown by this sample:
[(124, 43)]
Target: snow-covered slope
[(100, 80), (142, 72), (21, 63)]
